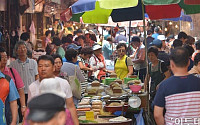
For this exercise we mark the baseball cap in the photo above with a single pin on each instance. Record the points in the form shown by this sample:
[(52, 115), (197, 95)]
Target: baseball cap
[(161, 37), (44, 107), (156, 42), (79, 31), (51, 85), (73, 46), (156, 29), (135, 39), (87, 32), (96, 47)]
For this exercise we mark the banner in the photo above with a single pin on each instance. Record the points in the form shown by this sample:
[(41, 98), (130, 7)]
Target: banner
[(66, 15)]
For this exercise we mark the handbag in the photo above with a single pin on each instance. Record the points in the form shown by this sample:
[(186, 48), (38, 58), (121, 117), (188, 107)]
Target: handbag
[(75, 85)]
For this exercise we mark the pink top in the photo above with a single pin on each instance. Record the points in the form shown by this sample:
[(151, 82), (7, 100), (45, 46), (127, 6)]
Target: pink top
[(18, 80)]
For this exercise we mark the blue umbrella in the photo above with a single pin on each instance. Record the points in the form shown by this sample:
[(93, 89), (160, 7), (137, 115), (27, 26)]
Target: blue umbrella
[(183, 17)]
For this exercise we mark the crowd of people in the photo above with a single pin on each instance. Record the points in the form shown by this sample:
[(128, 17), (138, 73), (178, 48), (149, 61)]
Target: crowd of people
[(82, 56)]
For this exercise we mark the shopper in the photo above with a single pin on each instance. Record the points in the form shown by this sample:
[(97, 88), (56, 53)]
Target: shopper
[(138, 58), (8, 91), (47, 109), (46, 70), (158, 71), (18, 84), (178, 95)]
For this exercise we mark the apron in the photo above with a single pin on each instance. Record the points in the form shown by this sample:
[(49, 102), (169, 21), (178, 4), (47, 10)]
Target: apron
[(156, 77), (121, 68)]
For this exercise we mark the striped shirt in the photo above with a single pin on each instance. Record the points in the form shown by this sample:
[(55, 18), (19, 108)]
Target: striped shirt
[(27, 70), (181, 98), (84, 73)]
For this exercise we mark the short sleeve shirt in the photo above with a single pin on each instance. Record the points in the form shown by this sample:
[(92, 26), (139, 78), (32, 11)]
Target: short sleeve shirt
[(69, 68), (16, 78), (61, 52), (129, 61), (180, 95), (35, 86), (27, 70), (9, 91)]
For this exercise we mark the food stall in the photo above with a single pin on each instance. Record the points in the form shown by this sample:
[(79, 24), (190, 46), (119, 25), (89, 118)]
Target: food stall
[(112, 102)]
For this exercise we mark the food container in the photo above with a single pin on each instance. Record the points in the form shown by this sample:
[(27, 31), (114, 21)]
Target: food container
[(95, 84), (135, 88), (126, 80), (105, 98), (119, 81), (113, 109)]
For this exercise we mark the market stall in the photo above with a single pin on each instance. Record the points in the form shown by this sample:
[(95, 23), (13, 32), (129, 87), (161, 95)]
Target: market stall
[(112, 101)]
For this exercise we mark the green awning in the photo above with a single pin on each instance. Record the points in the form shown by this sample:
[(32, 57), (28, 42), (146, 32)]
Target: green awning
[(189, 9)]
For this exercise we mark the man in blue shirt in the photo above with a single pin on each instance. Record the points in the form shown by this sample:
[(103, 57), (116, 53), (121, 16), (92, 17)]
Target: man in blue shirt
[(8, 91), (108, 47), (156, 32)]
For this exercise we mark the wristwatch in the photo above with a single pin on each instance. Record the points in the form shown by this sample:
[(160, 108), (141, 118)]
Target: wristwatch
[(23, 106)]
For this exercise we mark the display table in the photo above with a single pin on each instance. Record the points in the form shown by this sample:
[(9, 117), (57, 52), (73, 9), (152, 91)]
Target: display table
[(105, 121)]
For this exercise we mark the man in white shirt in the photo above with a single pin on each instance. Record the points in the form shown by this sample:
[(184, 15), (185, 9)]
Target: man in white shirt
[(46, 70)]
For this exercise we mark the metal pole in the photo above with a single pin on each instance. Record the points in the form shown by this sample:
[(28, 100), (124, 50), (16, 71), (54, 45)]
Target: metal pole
[(9, 25), (129, 37), (145, 39)]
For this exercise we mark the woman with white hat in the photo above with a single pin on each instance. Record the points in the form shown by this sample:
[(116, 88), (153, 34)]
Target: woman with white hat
[(97, 62)]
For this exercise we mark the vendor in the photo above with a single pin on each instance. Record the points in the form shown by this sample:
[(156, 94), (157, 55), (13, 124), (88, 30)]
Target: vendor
[(158, 71), (123, 64), (97, 62)]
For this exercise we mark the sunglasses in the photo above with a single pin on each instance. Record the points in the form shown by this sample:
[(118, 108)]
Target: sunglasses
[(121, 50)]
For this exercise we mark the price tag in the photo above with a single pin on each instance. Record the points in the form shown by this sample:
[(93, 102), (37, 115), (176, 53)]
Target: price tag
[(90, 115)]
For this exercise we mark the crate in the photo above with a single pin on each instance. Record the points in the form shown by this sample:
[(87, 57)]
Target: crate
[(107, 81)]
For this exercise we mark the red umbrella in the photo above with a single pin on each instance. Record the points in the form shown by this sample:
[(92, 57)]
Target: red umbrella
[(163, 11)]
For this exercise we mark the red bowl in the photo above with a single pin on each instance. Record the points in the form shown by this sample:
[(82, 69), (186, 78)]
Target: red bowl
[(113, 109), (135, 88)]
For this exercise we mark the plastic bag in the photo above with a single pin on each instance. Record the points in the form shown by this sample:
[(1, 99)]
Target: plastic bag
[(139, 118)]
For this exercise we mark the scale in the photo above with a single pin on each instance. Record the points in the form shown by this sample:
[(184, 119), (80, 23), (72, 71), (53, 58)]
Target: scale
[(134, 101)]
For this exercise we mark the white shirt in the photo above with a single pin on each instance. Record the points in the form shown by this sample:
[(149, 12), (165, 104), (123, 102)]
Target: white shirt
[(34, 88)]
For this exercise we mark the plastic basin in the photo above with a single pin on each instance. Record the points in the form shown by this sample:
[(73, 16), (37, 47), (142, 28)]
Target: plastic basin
[(135, 88)]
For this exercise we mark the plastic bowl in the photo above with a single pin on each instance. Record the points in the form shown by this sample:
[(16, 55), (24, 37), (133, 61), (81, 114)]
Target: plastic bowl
[(135, 88)]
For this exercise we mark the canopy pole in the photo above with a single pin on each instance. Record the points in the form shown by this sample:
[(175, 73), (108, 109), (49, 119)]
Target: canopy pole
[(129, 36), (145, 39)]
